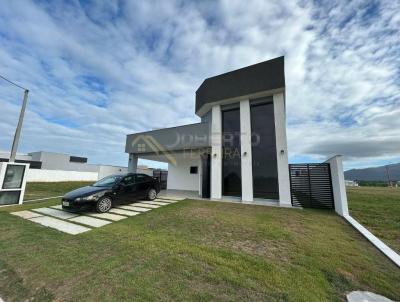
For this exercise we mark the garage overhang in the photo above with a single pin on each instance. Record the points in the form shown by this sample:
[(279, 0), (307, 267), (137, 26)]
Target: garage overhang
[(160, 141)]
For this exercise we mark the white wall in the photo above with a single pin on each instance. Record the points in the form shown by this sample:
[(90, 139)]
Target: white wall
[(60, 175), (216, 152), (281, 150), (245, 147), (59, 161), (338, 185), (108, 170), (179, 177)]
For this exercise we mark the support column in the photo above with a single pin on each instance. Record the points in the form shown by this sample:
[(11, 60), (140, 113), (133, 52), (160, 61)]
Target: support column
[(132, 164), (338, 185), (200, 174), (216, 153), (281, 150), (245, 146)]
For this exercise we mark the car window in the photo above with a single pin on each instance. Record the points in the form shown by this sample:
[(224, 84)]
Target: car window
[(108, 181), (141, 178), (128, 180)]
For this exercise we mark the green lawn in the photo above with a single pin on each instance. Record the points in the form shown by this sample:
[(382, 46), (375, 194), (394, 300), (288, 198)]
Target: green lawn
[(378, 209), (36, 190), (194, 251)]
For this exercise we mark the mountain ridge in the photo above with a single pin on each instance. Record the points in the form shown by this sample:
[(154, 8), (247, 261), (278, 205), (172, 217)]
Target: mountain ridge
[(375, 173)]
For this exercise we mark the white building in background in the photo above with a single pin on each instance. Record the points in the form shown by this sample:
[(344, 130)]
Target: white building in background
[(51, 166), (351, 183)]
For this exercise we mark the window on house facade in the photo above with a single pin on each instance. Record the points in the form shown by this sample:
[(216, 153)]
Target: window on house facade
[(77, 159), (264, 160)]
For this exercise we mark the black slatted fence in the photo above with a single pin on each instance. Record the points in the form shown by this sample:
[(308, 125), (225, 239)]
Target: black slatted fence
[(162, 177), (311, 186)]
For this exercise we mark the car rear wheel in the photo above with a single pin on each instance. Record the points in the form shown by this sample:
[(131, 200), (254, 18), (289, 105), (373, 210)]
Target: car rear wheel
[(104, 204), (152, 194)]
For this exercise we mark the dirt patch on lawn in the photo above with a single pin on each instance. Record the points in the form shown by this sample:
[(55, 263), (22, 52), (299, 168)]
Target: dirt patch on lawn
[(14, 288), (270, 249)]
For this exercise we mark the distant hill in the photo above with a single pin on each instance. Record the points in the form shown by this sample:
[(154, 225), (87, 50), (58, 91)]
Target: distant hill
[(374, 174)]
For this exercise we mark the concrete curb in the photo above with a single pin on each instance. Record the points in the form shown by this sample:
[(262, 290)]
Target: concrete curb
[(39, 199), (364, 296), (392, 255)]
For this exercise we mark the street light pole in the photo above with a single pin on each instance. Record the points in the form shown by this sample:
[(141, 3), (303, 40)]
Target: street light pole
[(19, 126)]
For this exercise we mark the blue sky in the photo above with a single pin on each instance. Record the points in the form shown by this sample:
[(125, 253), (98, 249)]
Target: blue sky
[(98, 70)]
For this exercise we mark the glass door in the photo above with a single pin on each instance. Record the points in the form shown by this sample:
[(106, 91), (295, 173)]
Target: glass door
[(231, 158)]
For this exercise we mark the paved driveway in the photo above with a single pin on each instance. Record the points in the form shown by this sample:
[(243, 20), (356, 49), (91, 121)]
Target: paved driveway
[(75, 223)]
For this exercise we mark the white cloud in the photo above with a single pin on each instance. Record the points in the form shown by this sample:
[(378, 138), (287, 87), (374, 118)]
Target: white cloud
[(105, 69)]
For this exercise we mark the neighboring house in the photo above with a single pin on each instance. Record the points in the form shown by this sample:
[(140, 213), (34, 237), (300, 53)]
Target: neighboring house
[(351, 183), (238, 149), (48, 166), (21, 158), (394, 183)]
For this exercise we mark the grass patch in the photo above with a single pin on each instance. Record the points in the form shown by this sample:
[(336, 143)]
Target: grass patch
[(194, 251), (13, 286), (378, 209), (36, 190)]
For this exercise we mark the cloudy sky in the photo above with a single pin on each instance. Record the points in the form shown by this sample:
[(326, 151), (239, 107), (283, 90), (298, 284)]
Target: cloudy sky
[(98, 70)]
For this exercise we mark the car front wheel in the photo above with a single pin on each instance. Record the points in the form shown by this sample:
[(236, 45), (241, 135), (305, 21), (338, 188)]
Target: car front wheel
[(104, 204), (152, 194)]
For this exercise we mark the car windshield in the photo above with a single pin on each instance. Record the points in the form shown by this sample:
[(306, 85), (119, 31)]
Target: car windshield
[(108, 181)]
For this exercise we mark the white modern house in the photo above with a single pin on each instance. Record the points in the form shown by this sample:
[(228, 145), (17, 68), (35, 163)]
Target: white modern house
[(238, 150)]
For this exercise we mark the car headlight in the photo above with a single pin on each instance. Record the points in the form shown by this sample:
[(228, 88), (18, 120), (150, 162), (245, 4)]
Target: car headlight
[(88, 198)]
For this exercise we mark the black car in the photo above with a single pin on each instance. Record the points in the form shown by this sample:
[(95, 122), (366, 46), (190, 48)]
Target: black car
[(111, 191)]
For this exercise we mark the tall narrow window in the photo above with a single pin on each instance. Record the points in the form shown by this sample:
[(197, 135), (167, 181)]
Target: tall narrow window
[(231, 167), (265, 171)]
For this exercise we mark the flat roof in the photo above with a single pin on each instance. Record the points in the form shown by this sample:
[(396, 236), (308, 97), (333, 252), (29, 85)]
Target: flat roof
[(264, 76)]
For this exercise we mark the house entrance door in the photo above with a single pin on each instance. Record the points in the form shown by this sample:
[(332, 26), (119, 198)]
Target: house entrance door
[(206, 175), (231, 157)]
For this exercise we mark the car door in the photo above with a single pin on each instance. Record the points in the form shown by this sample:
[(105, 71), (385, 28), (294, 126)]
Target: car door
[(127, 189), (142, 185)]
